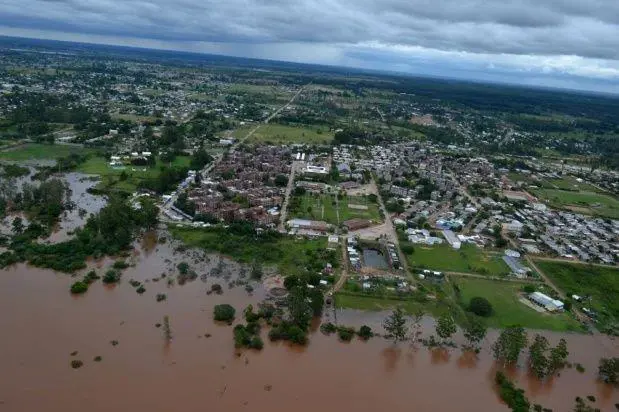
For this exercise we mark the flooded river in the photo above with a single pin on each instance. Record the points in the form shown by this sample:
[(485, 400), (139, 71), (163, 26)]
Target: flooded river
[(199, 370)]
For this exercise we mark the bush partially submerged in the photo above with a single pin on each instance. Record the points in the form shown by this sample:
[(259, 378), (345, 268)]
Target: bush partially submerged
[(79, 287), (224, 313), (111, 276)]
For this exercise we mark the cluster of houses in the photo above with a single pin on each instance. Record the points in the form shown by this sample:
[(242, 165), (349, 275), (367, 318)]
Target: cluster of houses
[(242, 186)]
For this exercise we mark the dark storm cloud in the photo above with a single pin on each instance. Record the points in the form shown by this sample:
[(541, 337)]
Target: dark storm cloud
[(585, 28), (573, 37)]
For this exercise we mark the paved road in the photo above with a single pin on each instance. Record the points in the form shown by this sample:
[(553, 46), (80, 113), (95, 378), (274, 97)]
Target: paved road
[(344, 274), (390, 229), (284, 212)]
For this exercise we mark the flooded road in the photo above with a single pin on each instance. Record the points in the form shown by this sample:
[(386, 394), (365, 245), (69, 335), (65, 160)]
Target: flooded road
[(199, 370)]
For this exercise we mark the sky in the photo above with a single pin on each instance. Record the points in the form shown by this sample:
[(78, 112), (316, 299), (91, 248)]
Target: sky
[(554, 43)]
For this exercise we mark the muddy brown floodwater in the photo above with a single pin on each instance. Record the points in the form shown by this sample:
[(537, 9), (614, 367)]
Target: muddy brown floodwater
[(41, 324)]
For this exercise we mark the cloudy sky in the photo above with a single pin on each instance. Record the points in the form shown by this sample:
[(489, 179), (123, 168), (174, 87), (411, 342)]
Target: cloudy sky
[(556, 43)]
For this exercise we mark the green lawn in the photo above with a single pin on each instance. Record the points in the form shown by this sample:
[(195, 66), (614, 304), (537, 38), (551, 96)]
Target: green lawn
[(347, 300), (584, 202), (598, 282), (468, 259), (97, 165), (570, 183), (35, 151), (508, 310), (281, 134), (322, 207), (288, 254)]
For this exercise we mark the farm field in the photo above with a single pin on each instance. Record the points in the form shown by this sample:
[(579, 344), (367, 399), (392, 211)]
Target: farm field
[(599, 283), (281, 134), (591, 203), (326, 207), (507, 308), (468, 259), (35, 151)]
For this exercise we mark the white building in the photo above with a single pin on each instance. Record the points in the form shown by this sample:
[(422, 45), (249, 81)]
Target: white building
[(452, 239)]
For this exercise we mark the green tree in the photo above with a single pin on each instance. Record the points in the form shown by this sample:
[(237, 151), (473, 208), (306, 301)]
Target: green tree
[(608, 370), (18, 226), (480, 306), (395, 325), (79, 287), (224, 313), (183, 268), (558, 356), (445, 327), (538, 362), (475, 332), (509, 344), (299, 307), (317, 301)]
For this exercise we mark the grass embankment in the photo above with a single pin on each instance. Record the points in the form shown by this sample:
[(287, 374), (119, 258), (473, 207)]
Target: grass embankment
[(282, 134), (468, 259), (35, 151), (326, 207), (288, 254), (598, 282), (591, 203), (507, 308)]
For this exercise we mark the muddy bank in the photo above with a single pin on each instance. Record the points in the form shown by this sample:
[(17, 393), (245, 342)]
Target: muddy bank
[(199, 369)]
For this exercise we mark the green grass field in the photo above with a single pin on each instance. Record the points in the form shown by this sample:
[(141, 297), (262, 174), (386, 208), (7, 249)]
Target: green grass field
[(508, 310), (598, 282), (288, 255), (97, 165), (280, 134), (584, 202), (469, 259), (345, 300), (322, 207), (34, 151), (570, 183)]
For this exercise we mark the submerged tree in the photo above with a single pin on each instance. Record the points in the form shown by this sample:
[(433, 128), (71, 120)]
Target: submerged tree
[(445, 327), (509, 344), (608, 370), (167, 332), (538, 362), (395, 325), (475, 332)]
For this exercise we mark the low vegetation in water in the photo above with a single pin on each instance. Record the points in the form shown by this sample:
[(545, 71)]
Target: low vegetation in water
[(224, 313)]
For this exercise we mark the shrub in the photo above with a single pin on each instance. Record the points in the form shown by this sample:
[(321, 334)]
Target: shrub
[(134, 283), (328, 328), (256, 343), (76, 363), (79, 287), (160, 297), (120, 264), (111, 276), (346, 334), (242, 337), (98, 359), (91, 276), (216, 288), (528, 288), (141, 290), (480, 306), (224, 313), (365, 332)]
